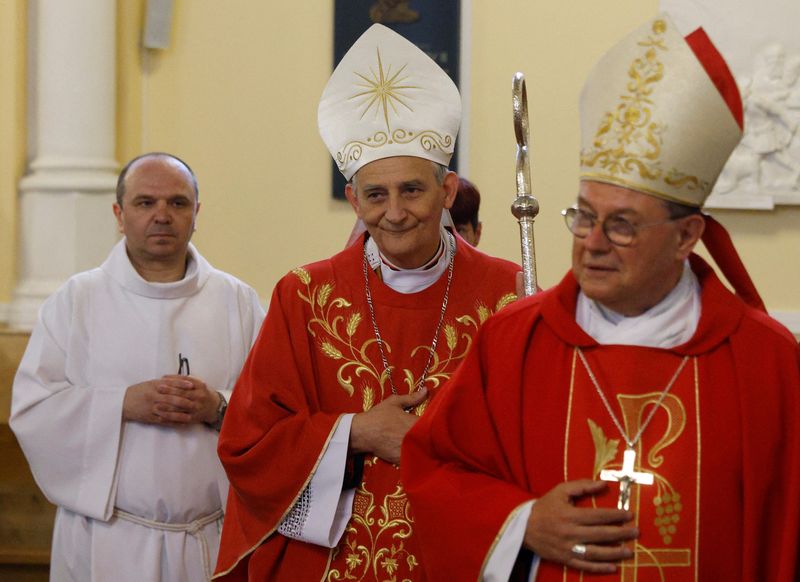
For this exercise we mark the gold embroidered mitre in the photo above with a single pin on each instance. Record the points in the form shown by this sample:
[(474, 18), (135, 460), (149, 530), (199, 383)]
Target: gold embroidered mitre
[(388, 98), (653, 120)]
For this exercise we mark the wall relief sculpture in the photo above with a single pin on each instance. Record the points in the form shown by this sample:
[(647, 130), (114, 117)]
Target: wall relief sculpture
[(766, 164), (763, 50)]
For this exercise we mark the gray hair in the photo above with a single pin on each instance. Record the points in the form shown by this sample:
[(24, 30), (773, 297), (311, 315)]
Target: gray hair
[(677, 210), (124, 173), (439, 172)]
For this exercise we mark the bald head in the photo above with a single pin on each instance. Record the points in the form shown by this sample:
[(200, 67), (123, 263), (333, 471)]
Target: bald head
[(168, 158)]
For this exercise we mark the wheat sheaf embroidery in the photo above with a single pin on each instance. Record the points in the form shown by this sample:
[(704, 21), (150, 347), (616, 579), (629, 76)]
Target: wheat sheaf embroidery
[(333, 323)]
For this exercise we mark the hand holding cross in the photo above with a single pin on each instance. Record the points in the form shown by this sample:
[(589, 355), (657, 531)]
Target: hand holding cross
[(626, 477)]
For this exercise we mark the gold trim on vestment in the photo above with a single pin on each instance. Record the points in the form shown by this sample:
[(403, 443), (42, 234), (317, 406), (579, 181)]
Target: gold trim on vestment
[(291, 505), (632, 406), (333, 326), (614, 181), (428, 139), (569, 410), (699, 457), (503, 528), (327, 565)]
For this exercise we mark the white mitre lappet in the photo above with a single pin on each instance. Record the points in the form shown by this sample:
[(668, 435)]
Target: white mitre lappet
[(660, 114), (387, 98)]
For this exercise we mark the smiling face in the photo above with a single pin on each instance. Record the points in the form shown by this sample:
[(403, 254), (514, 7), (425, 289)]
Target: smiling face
[(158, 212), (401, 203), (632, 279)]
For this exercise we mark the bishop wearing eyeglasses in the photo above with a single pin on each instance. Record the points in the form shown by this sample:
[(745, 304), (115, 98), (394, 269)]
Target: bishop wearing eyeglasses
[(638, 421)]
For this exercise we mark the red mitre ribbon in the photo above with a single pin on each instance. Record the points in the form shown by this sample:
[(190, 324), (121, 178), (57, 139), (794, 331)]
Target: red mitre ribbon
[(716, 238), (720, 246), (718, 71)]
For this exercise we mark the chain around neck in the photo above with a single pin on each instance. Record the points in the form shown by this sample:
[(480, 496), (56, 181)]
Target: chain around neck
[(387, 371), (631, 442)]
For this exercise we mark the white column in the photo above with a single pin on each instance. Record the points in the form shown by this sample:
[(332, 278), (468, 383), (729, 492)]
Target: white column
[(65, 200)]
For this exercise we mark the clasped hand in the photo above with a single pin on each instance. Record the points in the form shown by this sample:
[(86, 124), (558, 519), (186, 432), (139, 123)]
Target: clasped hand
[(172, 401), (381, 429)]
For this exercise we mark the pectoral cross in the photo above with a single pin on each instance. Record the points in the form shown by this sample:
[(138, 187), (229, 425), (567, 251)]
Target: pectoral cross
[(626, 477)]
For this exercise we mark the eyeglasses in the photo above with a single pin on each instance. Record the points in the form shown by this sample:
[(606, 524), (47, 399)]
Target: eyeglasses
[(618, 230)]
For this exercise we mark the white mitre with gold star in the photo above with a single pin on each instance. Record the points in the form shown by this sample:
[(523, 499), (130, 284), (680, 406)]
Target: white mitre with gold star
[(387, 98), (653, 120)]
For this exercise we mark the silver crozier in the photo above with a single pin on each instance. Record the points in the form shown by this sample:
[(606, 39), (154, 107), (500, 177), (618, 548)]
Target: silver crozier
[(525, 207)]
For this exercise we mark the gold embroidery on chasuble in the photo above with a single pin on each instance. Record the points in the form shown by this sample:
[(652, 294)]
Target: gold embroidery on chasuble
[(629, 139), (375, 544), (667, 512)]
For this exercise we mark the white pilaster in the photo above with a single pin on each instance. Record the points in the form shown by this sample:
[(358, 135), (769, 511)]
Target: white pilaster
[(65, 200)]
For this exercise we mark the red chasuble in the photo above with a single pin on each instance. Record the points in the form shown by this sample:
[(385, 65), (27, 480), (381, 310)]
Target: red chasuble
[(315, 359), (522, 415)]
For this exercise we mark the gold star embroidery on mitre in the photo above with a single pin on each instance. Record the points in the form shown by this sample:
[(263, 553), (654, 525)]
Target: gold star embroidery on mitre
[(383, 90)]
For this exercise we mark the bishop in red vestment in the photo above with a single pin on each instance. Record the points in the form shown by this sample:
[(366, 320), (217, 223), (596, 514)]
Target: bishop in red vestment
[(522, 416), (354, 347), (639, 421)]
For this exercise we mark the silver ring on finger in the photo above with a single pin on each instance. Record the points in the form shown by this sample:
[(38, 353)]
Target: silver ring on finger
[(579, 550)]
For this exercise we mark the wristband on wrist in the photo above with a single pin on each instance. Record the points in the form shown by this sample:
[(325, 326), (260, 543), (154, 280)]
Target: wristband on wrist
[(221, 408)]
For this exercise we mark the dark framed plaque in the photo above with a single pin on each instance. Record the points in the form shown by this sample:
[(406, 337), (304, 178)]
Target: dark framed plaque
[(435, 27)]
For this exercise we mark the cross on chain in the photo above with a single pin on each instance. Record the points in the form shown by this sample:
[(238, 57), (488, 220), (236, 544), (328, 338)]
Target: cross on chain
[(626, 477)]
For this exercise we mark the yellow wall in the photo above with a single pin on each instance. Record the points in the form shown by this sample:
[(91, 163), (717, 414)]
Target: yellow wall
[(12, 135), (240, 105), (129, 78), (236, 95), (555, 48)]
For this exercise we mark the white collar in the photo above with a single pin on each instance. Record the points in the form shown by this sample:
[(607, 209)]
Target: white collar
[(670, 323), (118, 266), (412, 280)]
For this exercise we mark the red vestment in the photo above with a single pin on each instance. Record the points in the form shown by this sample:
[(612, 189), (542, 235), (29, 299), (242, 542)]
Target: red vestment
[(316, 359), (521, 415)]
